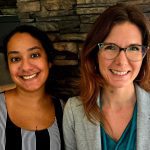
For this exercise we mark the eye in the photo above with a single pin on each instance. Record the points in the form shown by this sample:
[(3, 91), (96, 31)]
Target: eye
[(135, 48), (110, 47), (14, 59), (35, 55)]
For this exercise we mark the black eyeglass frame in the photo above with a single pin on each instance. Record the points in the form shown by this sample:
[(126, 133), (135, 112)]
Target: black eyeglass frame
[(146, 48)]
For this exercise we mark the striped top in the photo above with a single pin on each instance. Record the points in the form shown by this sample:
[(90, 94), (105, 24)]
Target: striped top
[(16, 138)]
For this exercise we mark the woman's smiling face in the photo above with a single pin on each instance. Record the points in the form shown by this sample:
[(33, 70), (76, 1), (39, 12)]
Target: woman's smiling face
[(27, 62), (120, 71)]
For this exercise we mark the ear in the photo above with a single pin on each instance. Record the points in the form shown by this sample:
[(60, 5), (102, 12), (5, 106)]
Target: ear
[(50, 65)]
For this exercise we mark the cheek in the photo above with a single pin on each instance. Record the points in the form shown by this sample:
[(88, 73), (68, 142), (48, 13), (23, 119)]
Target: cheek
[(45, 65), (137, 67), (12, 69), (103, 65)]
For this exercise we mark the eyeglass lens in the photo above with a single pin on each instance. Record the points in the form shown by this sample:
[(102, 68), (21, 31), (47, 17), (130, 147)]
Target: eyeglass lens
[(133, 52)]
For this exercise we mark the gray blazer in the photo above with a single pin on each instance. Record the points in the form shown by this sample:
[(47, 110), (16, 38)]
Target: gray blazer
[(81, 134)]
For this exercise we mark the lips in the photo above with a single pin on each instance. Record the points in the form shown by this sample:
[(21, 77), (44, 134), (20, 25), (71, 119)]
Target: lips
[(27, 77), (120, 73)]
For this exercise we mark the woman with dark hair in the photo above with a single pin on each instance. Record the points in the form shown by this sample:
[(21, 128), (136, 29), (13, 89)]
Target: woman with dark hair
[(31, 118), (113, 109)]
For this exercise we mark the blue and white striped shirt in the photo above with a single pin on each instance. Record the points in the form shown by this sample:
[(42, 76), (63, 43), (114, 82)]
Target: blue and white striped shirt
[(16, 138)]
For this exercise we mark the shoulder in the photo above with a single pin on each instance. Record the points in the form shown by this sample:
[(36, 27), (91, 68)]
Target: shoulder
[(74, 115), (141, 93), (143, 100), (74, 107), (3, 107), (74, 102), (2, 95)]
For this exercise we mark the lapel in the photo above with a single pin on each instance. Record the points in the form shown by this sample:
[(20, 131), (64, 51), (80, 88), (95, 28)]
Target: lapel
[(93, 134), (143, 119)]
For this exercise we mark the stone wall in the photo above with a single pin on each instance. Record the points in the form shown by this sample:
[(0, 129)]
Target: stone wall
[(66, 23)]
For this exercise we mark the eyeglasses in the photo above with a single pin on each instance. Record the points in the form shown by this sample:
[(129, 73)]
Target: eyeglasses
[(133, 52)]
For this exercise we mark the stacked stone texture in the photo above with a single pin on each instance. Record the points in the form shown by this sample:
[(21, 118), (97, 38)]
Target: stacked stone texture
[(67, 23)]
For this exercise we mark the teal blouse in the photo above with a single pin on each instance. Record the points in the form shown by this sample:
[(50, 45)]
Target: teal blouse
[(128, 139)]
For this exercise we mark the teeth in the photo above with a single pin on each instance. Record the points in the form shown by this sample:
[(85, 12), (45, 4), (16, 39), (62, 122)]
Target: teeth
[(119, 72), (29, 77)]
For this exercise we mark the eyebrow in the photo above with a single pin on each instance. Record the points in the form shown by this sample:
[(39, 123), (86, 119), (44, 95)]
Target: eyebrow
[(30, 49)]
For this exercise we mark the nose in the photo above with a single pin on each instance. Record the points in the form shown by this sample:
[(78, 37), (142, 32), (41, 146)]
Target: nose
[(26, 65), (121, 59)]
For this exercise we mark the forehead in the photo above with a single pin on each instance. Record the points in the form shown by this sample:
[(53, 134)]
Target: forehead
[(19, 37), (125, 34), (23, 41)]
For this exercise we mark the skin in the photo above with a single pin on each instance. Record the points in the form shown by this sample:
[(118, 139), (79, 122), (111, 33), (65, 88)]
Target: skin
[(28, 105), (118, 95), (121, 71), (27, 62)]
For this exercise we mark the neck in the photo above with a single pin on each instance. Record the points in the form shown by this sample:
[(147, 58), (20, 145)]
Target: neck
[(30, 98), (118, 97)]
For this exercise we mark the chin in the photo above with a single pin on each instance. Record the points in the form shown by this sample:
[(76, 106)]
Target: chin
[(118, 84), (31, 88)]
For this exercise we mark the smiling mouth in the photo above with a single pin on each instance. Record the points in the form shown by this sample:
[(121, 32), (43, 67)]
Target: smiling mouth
[(120, 73), (27, 77)]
